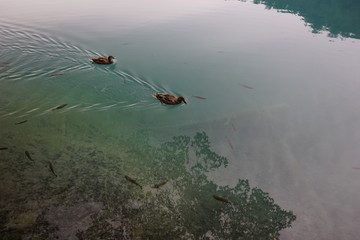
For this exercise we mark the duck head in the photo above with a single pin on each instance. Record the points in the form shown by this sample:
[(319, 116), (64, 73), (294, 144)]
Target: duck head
[(181, 99), (110, 58)]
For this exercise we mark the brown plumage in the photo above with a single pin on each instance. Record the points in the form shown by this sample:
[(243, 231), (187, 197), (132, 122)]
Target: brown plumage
[(103, 60), (169, 99)]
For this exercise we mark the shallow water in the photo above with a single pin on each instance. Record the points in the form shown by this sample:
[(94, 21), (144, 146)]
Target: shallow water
[(270, 124)]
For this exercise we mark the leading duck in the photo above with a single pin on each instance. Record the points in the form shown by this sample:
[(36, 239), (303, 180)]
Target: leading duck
[(103, 60), (169, 99)]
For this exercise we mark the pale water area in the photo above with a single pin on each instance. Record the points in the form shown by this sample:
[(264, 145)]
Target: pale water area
[(267, 146)]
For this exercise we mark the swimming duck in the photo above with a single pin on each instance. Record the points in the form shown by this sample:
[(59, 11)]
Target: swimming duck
[(103, 60), (169, 99)]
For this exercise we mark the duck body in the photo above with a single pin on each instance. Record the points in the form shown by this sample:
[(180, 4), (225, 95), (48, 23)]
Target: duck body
[(169, 99), (103, 60)]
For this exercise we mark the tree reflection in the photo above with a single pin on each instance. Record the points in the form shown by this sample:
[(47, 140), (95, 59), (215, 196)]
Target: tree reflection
[(340, 18), (93, 196), (184, 208)]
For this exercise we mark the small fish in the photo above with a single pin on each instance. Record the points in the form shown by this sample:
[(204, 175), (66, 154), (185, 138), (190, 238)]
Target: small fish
[(246, 86), (52, 169), (221, 199), (230, 143), (61, 190), (199, 97), (233, 127), (132, 181), (28, 155), (21, 122), (357, 168), (60, 107), (57, 74), (159, 185), (4, 148)]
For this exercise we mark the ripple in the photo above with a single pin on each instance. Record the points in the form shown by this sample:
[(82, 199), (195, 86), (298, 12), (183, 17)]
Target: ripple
[(31, 54), (41, 71)]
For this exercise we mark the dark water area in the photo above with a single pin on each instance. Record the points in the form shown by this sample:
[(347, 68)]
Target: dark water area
[(265, 148), (339, 18)]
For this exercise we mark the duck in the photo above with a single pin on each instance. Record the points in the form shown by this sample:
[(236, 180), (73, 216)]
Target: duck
[(169, 99), (103, 60)]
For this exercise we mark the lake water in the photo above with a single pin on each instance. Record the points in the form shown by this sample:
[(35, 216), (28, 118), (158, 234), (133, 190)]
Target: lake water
[(267, 146)]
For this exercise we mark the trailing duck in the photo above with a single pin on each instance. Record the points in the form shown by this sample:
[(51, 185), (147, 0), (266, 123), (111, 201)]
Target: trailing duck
[(169, 99), (103, 60)]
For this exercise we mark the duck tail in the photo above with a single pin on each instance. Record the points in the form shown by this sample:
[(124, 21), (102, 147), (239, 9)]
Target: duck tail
[(154, 95)]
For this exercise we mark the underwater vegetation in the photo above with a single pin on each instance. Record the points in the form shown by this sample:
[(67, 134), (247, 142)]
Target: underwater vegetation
[(93, 197)]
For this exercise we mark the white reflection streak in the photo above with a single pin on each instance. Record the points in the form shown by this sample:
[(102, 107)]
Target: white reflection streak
[(22, 116), (72, 107), (9, 114), (107, 107), (131, 105), (45, 112), (32, 110), (88, 108)]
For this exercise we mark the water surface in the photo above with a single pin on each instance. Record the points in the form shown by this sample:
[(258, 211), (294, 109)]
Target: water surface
[(270, 125)]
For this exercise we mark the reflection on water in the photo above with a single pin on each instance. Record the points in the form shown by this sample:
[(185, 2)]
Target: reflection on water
[(340, 18), (90, 192)]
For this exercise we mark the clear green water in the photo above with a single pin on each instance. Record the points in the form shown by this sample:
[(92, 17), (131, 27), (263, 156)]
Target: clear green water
[(283, 152)]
